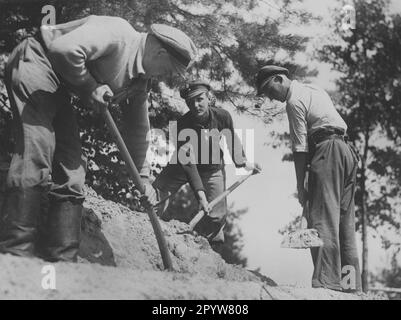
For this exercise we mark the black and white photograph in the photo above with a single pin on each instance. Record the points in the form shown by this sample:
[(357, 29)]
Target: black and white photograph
[(200, 155)]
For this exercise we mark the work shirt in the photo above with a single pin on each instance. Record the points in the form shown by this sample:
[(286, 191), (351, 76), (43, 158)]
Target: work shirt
[(309, 108), (100, 50), (219, 124)]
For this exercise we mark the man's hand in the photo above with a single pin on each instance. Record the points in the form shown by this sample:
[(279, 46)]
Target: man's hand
[(96, 99), (149, 198), (304, 223), (255, 167), (203, 204)]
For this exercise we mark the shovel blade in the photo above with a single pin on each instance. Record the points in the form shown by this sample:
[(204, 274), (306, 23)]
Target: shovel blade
[(302, 239)]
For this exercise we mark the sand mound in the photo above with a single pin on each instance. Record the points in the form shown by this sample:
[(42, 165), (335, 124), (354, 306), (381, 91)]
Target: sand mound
[(120, 259)]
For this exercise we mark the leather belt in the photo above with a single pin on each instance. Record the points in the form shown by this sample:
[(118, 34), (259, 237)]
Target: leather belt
[(326, 134), (331, 133)]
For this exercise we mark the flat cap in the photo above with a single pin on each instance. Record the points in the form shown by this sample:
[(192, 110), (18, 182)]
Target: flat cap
[(265, 73), (193, 89), (176, 42)]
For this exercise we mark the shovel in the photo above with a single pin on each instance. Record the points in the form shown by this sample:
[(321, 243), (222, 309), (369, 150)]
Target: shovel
[(302, 238), (133, 171), (201, 213)]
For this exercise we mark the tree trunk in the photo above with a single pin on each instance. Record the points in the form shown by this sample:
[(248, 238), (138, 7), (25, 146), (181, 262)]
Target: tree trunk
[(364, 217), (364, 198), (364, 220)]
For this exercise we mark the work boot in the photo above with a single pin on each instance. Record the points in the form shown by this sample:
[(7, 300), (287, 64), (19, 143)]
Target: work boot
[(62, 231), (18, 226)]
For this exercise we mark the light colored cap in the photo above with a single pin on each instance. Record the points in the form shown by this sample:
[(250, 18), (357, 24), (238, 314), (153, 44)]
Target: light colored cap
[(176, 42)]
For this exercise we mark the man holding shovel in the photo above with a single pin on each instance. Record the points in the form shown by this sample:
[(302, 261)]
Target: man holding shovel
[(318, 139), (200, 160), (91, 57)]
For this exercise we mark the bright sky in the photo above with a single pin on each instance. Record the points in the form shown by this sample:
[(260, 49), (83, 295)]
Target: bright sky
[(271, 205), (269, 195), (269, 198)]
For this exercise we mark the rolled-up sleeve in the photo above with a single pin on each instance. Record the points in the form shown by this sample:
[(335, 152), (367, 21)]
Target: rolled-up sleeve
[(296, 113)]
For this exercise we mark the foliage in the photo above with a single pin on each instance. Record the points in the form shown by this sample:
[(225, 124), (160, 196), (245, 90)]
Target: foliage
[(369, 100), (232, 46), (233, 243), (390, 278)]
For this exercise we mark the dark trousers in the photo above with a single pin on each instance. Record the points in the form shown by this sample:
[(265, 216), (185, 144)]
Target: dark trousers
[(210, 226), (332, 181), (48, 148), (47, 158)]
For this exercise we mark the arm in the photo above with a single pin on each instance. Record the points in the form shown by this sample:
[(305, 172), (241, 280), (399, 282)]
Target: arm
[(299, 138), (190, 168), (192, 173), (136, 128), (236, 149), (301, 162), (234, 144)]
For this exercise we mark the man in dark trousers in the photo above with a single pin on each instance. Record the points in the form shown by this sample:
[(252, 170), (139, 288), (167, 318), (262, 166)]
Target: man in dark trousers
[(317, 134), (90, 57), (200, 160)]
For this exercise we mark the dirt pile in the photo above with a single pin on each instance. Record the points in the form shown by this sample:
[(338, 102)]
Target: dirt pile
[(120, 259), (113, 235)]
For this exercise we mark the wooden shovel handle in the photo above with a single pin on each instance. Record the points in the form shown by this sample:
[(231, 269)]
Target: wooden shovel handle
[(216, 200), (167, 262)]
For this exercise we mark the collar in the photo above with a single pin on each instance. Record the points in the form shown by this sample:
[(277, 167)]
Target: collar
[(136, 69), (291, 90)]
